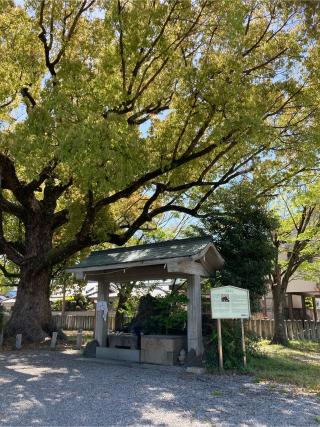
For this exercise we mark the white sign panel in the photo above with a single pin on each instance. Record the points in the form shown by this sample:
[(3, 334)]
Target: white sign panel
[(103, 306), (229, 302), (318, 303)]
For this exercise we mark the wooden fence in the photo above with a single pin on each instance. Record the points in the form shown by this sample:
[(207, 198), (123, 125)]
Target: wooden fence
[(72, 321), (295, 329)]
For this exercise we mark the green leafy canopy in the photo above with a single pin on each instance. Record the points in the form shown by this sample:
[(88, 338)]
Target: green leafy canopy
[(114, 112)]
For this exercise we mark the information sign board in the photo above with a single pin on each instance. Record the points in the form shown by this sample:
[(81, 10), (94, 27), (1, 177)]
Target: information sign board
[(229, 302)]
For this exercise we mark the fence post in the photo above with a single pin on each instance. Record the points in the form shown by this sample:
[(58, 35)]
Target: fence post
[(263, 328), (18, 341), (1, 338), (269, 331), (313, 330), (79, 339), (53, 340), (290, 329), (301, 329), (247, 325), (260, 328), (308, 329)]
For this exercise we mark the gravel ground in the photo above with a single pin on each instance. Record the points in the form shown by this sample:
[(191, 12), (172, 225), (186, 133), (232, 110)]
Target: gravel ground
[(50, 388)]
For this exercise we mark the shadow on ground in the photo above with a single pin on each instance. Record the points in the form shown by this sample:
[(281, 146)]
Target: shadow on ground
[(50, 388)]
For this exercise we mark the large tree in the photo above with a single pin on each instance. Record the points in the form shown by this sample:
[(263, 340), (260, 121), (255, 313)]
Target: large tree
[(113, 111)]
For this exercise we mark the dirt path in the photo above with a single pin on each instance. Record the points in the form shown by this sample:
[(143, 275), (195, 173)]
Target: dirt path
[(51, 388)]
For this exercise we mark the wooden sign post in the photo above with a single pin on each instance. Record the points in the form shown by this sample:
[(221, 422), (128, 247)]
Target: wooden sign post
[(243, 342), (220, 351), (230, 302)]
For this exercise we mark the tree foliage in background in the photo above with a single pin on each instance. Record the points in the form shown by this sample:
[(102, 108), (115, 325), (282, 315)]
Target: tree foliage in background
[(77, 302), (114, 112), (297, 244), (242, 230)]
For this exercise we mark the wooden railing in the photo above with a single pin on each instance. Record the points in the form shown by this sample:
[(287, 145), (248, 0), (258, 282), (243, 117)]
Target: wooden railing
[(295, 329)]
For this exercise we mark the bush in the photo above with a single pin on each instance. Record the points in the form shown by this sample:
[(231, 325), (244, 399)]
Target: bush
[(73, 303), (232, 348), (161, 315)]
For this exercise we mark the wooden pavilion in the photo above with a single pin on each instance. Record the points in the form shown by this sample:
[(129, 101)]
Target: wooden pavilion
[(190, 259)]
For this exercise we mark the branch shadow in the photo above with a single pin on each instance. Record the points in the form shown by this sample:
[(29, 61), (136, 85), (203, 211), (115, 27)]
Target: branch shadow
[(51, 388)]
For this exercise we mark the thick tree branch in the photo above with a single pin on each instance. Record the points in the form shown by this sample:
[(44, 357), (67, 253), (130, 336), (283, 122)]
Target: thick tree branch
[(60, 218), (10, 181), (66, 37), (261, 37), (267, 61), (43, 175), (26, 94), (7, 273), (148, 177), (12, 208), (7, 248)]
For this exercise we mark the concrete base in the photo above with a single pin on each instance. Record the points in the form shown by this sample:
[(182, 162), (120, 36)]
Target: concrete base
[(196, 370), (162, 349), (118, 354), (123, 340)]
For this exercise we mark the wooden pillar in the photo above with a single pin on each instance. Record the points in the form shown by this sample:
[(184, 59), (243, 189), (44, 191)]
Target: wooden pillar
[(265, 313), (194, 315), (101, 329), (290, 306), (315, 313), (304, 309)]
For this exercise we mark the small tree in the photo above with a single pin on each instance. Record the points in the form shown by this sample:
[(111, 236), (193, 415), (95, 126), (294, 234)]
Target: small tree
[(297, 242), (242, 229)]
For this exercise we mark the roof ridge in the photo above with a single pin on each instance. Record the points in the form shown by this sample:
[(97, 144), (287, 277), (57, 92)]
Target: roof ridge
[(154, 244)]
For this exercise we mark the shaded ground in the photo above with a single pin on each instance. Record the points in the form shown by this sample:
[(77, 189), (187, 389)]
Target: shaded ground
[(51, 388)]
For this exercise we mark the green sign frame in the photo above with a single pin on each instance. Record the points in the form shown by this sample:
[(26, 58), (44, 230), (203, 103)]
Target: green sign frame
[(230, 302)]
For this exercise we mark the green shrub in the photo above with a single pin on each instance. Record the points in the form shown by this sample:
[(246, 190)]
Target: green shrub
[(162, 314), (73, 303), (232, 347)]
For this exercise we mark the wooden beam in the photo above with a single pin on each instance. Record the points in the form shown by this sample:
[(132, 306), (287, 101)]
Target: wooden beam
[(187, 267), (156, 272)]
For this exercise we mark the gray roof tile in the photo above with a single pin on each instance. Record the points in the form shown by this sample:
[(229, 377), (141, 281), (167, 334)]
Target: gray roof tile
[(154, 251)]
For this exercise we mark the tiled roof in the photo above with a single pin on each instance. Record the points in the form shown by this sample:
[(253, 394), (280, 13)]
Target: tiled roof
[(177, 248)]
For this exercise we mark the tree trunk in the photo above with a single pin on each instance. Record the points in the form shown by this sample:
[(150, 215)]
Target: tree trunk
[(278, 293), (31, 314)]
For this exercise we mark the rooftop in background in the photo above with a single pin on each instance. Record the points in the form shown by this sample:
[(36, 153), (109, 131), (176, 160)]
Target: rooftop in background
[(199, 250)]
